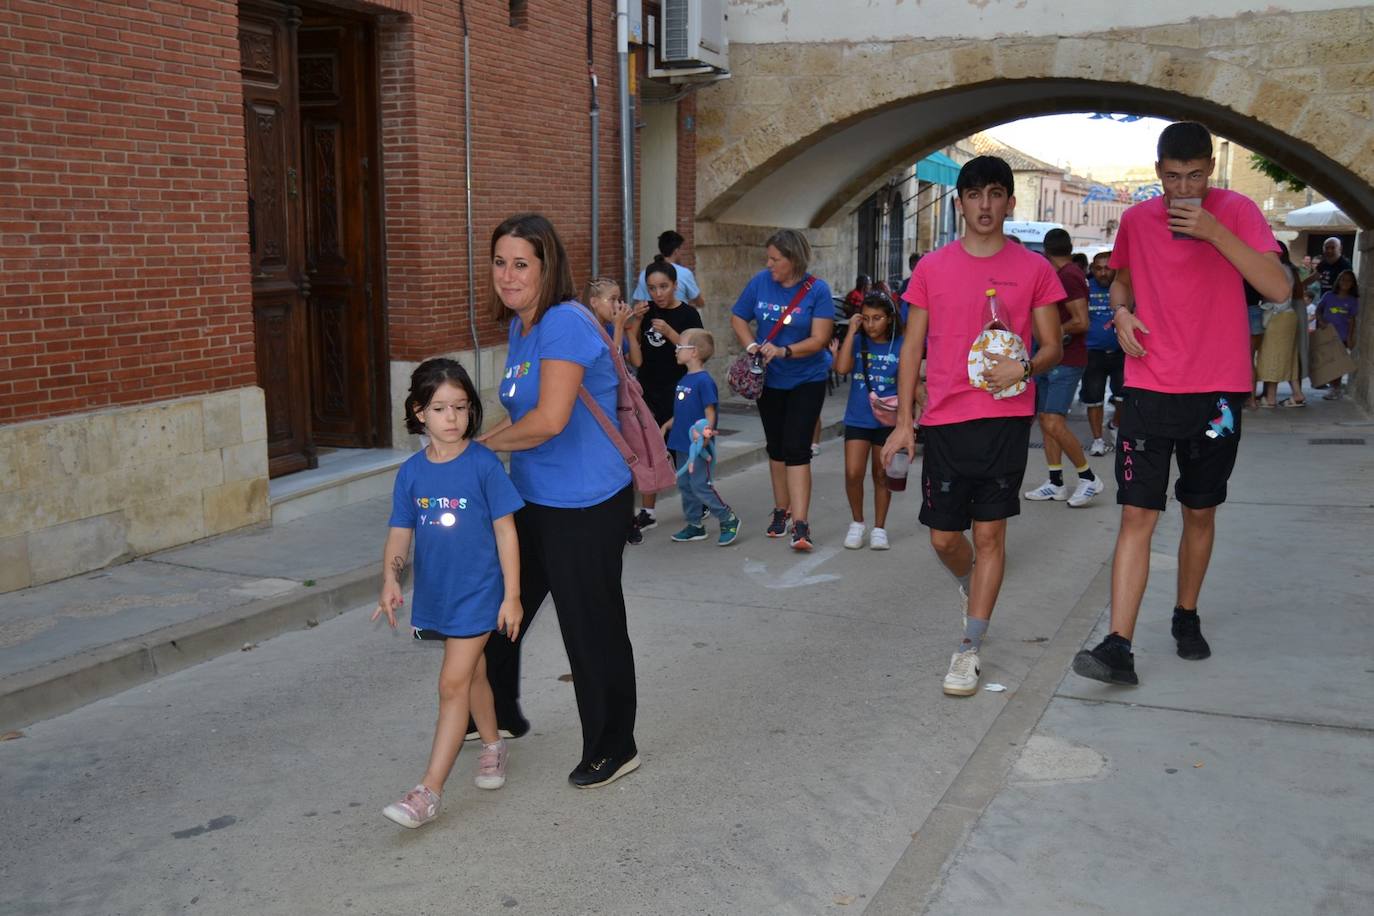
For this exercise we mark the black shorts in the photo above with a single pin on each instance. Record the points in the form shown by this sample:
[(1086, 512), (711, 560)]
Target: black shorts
[(972, 472), (789, 418), (1103, 365), (1202, 430), (878, 435)]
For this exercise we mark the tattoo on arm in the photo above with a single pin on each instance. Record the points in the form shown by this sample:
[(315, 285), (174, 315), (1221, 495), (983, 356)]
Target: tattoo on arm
[(398, 566)]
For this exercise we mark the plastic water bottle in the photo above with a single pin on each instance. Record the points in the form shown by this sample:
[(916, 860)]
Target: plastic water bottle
[(896, 471)]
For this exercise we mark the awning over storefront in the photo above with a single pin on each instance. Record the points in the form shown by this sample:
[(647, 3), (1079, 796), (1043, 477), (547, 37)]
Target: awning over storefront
[(937, 168)]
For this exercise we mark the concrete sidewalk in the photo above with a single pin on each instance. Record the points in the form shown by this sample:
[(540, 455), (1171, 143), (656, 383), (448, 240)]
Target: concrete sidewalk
[(1238, 784), (71, 642)]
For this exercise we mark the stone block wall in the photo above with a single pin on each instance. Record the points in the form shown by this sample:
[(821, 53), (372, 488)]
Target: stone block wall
[(81, 492), (728, 255)]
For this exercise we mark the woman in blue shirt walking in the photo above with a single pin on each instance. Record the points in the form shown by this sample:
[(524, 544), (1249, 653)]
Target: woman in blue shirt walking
[(797, 369), (576, 489)]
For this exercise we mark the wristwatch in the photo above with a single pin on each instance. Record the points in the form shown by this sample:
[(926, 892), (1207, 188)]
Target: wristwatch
[(1026, 370), (787, 352)]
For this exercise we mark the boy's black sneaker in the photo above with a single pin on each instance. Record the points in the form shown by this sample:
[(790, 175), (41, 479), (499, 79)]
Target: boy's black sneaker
[(1187, 630), (634, 536), (644, 521), (1109, 661), (602, 771)]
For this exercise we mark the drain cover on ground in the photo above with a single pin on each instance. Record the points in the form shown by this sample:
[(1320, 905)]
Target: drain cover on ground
[(1335, 441)]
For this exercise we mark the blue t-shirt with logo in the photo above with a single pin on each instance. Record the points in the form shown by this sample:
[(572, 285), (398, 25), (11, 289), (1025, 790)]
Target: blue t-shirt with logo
[(695, 392), (763, 302), (877, 374), (451, 508), (580, 466), (1101, 336)]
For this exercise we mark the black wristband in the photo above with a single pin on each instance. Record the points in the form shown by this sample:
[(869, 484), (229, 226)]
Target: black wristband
[(787, 352)]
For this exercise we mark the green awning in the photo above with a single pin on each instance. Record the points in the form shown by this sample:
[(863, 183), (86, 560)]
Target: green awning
[(937, 168)]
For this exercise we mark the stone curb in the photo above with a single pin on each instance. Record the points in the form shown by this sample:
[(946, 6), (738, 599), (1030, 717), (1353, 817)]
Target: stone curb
[(68, 683)]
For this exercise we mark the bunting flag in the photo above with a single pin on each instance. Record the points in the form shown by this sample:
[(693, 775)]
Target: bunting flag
[(1123, 119)]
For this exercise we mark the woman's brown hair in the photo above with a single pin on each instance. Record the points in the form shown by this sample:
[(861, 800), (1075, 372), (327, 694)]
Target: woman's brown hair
[(555, 278), (793, 246)]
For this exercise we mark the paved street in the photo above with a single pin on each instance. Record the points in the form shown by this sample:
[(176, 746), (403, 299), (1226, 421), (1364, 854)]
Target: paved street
[(794, 739)]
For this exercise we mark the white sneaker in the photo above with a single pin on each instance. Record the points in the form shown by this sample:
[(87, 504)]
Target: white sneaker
[(962, 680), (854, 537), (1085, 491), (1097, 448), (877, 540), (1046, 491)]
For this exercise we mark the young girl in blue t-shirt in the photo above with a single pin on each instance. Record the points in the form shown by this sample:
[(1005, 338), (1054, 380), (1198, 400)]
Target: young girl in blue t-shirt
[(455, 500), (870, 351)]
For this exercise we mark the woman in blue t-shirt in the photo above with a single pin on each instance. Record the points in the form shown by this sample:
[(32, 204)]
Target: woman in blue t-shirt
[(577, 493), (797, 369), (870, 351)]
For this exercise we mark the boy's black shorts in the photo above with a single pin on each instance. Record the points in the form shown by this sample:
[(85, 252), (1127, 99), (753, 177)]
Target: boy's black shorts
[(1201, 430), (972, 472), (1103, 365)]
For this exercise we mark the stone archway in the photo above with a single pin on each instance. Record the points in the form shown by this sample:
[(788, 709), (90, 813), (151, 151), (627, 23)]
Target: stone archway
[(802, 129)]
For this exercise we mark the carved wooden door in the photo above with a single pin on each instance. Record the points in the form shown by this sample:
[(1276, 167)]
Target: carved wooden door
[(267, 54), (342, 230)]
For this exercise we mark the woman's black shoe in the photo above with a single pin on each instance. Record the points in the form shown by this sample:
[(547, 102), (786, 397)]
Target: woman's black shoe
[(603, 770)]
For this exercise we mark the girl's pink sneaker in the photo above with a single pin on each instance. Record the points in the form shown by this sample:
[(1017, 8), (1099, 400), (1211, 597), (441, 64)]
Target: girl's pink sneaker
[(416, 808)]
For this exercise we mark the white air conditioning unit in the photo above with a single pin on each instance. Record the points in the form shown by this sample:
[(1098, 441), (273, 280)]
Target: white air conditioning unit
[(693, 34)]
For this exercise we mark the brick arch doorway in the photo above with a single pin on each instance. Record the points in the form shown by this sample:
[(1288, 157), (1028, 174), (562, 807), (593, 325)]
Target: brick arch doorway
[(315, 229)]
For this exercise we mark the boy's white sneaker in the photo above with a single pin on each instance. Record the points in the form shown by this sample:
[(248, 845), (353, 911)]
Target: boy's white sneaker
[(877, 539), (1048, 491), (854, 538), (1085, 491), (962, 679), (1098, 448)]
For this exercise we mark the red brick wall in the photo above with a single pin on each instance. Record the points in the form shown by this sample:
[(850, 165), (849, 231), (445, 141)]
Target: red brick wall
[(123, 255), (531, 135), (123, 235)]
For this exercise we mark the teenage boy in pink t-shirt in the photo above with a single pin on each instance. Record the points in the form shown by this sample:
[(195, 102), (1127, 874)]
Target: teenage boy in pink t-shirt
[(975, 443), (1178, 303)]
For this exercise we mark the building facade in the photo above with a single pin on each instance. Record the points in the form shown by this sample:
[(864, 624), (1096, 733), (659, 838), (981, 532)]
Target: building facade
[(232, 229)]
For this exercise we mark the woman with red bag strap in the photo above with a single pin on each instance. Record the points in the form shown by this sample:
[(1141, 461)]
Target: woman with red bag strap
[(577, 493), (794, 319)]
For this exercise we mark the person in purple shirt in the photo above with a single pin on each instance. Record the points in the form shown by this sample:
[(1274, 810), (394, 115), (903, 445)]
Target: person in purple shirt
[(1339, 309)]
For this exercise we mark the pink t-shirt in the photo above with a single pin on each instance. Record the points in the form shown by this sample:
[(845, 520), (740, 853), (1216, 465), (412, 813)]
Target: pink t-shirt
[(951, 285), (1190, 297)]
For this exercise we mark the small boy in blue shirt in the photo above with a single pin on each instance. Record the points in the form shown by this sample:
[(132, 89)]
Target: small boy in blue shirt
[(695, 401)]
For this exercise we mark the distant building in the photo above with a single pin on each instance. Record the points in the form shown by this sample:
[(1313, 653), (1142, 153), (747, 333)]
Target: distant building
[(1090, 211)]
